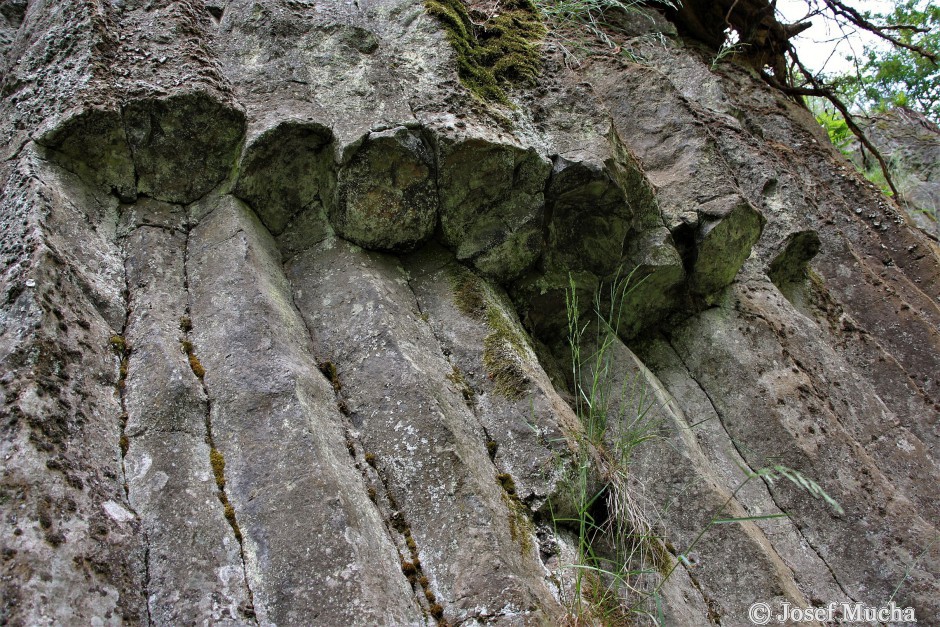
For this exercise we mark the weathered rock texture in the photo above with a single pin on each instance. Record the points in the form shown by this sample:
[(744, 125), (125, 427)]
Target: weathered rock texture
[(283, 326), (910, 143)]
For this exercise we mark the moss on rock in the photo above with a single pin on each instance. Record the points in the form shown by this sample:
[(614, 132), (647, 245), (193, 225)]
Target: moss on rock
[(504, 48), (521, 528), (504, 347)]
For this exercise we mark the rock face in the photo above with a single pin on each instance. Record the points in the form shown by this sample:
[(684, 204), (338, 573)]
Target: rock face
[(911, 145), (286, 316)]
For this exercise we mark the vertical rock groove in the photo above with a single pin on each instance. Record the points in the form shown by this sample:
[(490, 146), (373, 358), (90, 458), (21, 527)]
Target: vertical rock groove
[(393, 519), (768, 486), (427, 444), (192, 575), (276, 422), (336, 285), (123, 349), (216, 459)]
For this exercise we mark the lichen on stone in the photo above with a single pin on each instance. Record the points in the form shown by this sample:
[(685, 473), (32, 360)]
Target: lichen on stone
[(503, 48), (387, 191)]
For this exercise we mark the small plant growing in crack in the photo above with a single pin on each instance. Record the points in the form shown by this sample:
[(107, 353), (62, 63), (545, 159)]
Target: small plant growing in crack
[(119, 344), (328, 368)]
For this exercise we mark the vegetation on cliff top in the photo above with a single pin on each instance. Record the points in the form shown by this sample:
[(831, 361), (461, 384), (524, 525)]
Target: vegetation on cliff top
[(899, 76), (493, 49)]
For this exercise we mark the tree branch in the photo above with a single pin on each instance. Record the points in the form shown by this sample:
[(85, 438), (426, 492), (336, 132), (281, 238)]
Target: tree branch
[(824, 92), (840, 9)]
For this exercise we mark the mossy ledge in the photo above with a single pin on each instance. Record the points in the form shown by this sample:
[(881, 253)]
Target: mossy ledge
[(502, 48)]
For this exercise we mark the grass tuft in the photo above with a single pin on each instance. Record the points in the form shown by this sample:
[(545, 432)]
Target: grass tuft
[(589, 26), (622, 563)]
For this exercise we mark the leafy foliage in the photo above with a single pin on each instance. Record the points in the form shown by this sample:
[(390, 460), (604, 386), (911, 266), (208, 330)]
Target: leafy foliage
[(836, 128), (900, 76), (844, 139)]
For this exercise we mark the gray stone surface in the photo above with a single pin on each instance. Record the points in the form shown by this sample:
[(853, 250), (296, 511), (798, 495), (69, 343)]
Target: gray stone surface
[(788, 404), (477, 552), (67, 529), (385, 434), (314, 545), (190, 133), (527, 425)]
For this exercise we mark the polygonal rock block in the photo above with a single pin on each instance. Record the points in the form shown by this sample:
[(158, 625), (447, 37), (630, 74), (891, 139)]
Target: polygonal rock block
[(658, 276), (387, 198), (286, 170), (150, 212), (492, 203), (590, 218), (93, 145), (728, 228), (790, 265), (183, 145)]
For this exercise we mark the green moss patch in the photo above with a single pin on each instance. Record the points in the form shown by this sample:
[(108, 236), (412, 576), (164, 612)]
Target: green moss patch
[(328, 368), (521, 528), (196, 367), (469, 295), (501, 356), (218, 467), (504, 347), (456, 377), (217, 461), (501, 48), (119, 344)]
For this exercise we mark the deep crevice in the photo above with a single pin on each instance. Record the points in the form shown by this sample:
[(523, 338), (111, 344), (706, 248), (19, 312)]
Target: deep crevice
[(216, 13), (216, 459), (684, 238), (767, 486), (123, 349)]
